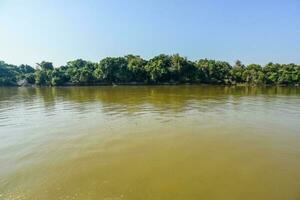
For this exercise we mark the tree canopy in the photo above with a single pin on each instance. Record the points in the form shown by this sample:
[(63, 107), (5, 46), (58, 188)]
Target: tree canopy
[(160, 69)]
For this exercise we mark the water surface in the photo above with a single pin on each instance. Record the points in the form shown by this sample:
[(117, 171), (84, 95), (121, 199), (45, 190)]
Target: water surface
[(150, 142)]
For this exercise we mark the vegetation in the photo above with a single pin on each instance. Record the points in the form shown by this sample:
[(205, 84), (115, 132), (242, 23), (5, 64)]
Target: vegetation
[(132, 69)]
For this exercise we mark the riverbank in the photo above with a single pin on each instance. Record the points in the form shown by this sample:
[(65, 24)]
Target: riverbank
[(154, 84)]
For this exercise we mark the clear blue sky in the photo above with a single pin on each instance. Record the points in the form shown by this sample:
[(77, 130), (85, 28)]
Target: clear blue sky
[(256, 31)]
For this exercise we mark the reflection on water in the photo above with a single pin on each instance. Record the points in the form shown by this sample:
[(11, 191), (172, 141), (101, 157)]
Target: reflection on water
[(150, 142)]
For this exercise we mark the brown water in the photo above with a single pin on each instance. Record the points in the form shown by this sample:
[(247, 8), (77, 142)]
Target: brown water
[(152, 142)]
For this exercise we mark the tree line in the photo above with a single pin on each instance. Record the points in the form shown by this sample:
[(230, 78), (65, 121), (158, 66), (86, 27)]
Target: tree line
[(161, 69)]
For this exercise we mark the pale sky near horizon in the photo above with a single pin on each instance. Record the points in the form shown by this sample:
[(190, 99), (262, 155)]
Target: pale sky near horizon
[(256, 31)]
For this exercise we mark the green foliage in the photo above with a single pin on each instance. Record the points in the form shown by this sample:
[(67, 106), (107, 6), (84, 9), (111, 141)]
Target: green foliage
[(182, 70), (136, 66), (43, 77), (25, 69), (30, 78), (43, 74), (211, 71), (253, 74), (79, 72), (114, 70), (160, 69), (7, 76), (45, 65), (10, 75), (271, 72), (58, 77), (237, 72)]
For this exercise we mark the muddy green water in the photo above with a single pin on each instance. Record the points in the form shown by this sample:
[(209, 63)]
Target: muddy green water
[(150, 142)]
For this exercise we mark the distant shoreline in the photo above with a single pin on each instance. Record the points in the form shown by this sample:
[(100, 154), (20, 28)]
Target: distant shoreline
[(155, 84), (159, 70)]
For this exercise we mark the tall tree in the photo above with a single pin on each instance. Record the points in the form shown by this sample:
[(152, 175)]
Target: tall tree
[(159, 68)]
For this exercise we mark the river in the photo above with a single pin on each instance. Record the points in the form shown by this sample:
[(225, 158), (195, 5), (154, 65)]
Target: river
[(150, 142)]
